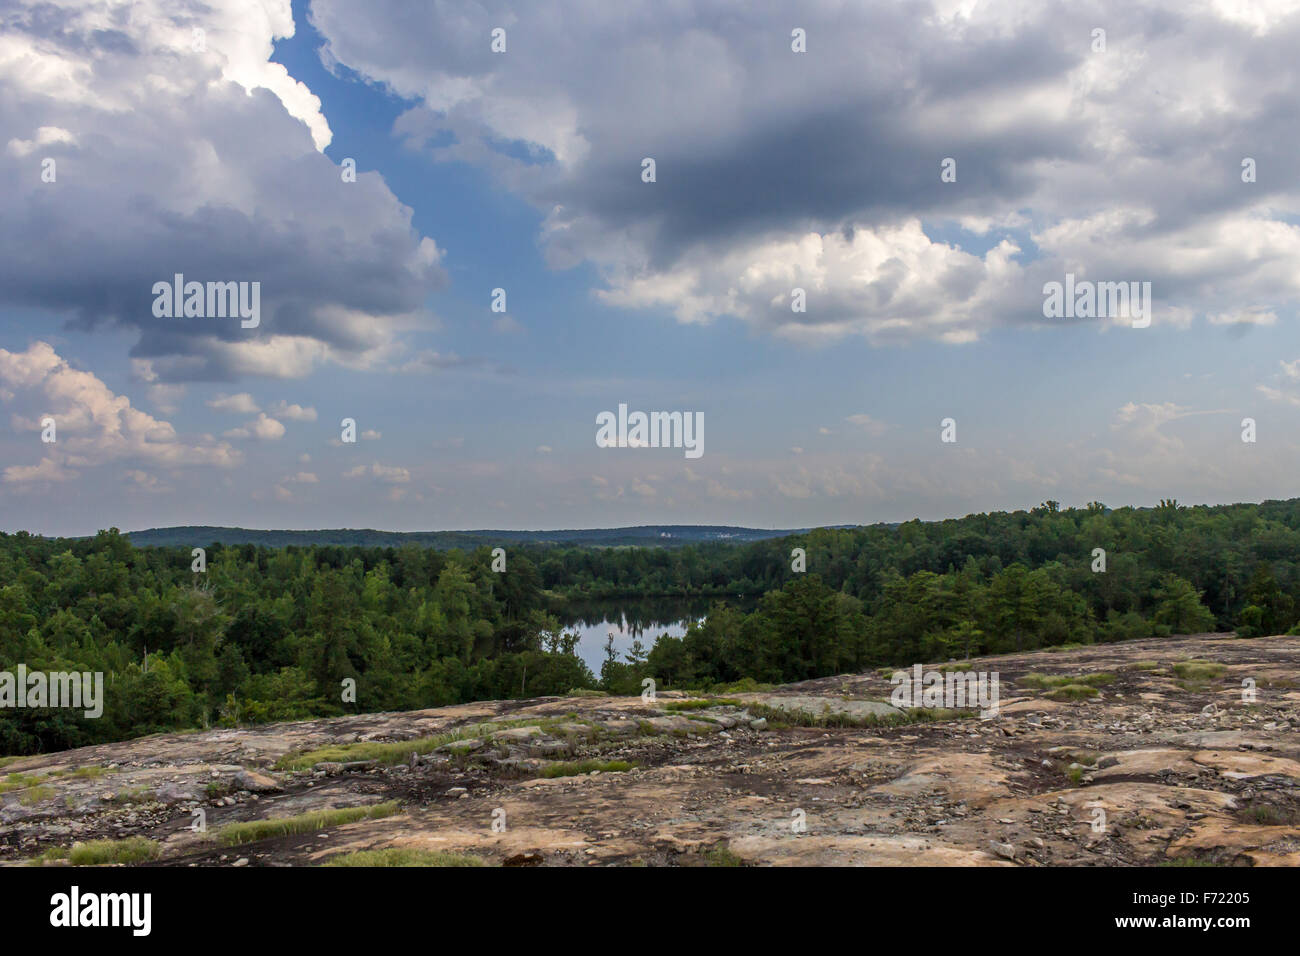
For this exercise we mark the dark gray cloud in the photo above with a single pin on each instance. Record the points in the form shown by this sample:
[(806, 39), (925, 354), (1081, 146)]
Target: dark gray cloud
[(206, 163), (1122, 163)]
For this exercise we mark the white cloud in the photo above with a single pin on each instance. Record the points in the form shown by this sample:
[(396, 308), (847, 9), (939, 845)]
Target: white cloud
[(294, 413), (389, 474), (1278, 395), (1099, 160), (1288, 387), (241, 404), (1143, 422), (94, 425), (143, 481), (45, 136), (261, 428), (871, 426), (47, 470), (642, 488), (206, 162)]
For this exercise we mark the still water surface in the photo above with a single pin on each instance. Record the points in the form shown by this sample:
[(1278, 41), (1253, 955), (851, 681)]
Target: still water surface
[(628, 621)]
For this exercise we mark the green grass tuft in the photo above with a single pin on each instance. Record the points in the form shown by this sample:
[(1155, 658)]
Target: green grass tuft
[(1197, 670), (746, 685), (722, 855), (34, 795), (1073, 692), (1051, 681), (676, 705), (18, 781), (100, 852), (579, 767), (1270, 815), (779, 717), (401, 856), (399, 751), (49, 854), (234, 834)]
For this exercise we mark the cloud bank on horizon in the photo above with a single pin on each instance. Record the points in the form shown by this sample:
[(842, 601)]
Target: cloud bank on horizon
[(917, 172)]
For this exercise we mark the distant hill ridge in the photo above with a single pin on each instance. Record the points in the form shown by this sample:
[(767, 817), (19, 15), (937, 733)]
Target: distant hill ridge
[(668, 535)]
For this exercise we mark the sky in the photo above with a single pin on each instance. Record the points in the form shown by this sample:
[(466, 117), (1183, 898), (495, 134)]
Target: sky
[(921, 171)]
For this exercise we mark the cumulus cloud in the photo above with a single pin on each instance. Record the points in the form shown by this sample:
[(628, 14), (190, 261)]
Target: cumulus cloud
[(94, 426), (1144, 422), (203, 159), (143, 481), (389, 474), (48, 469), (240, 404), (643, 488), (45, 136), (1287, 389), (775, 170), (262, 428), (293, 412)]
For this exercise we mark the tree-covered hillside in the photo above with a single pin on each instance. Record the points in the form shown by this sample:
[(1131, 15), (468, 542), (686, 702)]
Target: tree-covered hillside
[(270, 634), (668, 536)]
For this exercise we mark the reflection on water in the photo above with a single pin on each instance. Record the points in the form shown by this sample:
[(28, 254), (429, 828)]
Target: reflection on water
[(628, 621)]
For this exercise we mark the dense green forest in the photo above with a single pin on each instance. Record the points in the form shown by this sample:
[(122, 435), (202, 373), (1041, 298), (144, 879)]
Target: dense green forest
[(272, 634)]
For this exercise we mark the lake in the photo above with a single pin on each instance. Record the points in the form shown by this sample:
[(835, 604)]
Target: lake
[(628, 620)]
